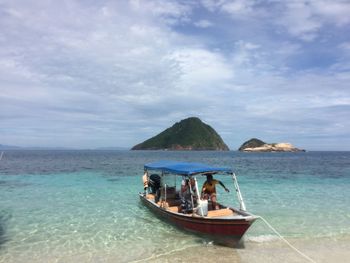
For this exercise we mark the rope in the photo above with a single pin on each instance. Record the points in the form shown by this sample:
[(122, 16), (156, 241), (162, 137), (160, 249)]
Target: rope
[(289, 244)]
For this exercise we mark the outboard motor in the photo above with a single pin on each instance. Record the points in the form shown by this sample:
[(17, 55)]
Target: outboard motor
[(154, 184)]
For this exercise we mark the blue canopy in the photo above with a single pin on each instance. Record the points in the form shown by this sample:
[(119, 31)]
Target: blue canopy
[(184, 168)]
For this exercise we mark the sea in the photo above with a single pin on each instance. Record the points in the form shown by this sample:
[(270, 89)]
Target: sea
[(83, 206)]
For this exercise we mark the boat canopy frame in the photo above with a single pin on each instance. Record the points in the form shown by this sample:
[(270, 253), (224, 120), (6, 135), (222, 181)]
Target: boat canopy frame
[(192, 169)]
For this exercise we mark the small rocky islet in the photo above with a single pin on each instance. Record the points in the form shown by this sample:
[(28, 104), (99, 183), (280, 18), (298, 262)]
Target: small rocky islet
[(256, 145)]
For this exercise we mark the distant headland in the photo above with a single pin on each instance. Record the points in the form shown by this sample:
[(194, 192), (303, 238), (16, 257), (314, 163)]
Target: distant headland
[(188, 134), (256, 145)]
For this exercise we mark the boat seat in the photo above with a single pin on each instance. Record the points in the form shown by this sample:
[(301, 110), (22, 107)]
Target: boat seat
[(170, 202), (173, 209), (220, 212)]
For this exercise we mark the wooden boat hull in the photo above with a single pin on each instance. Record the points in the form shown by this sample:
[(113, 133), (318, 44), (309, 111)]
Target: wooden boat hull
[(216, 228)]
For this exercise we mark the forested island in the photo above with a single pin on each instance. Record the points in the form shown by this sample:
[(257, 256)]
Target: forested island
[(188, 134)]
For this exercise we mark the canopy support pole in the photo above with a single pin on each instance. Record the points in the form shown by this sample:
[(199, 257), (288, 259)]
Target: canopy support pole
[(239, 195), (163, 187), (198, 196), (189, 185)]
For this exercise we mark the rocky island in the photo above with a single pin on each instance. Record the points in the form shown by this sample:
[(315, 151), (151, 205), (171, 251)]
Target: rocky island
[(256, 145), (188, 134)]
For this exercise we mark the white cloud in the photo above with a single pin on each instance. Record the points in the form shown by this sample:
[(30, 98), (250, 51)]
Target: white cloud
[(345, 46), (199, 66), (203, 23), (336, 12), (171, 12), (305, 19), (238, 7), (300, 21), (233, 7)]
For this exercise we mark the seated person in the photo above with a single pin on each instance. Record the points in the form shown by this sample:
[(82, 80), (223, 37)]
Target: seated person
[(154, 184), (188, 190), (209, 190), (145, 183)]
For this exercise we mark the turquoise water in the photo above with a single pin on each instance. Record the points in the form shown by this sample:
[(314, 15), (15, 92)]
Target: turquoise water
[(64, 206)]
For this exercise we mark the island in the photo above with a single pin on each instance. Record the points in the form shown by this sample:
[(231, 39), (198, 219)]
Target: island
[(9, 147), (256, 145), (188, 134)]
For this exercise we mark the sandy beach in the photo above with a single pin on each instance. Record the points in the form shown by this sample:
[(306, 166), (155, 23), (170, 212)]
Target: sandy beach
[(198, 254), (323, 250)]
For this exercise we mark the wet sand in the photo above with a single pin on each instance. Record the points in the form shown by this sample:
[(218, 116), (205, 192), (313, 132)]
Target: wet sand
[(199, 254), (322, 250)]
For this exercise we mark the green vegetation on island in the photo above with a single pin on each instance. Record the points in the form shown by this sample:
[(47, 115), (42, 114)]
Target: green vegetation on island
[(252, 143), (188, 134)]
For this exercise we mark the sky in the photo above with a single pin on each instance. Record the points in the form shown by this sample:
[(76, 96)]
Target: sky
[(89, 74)]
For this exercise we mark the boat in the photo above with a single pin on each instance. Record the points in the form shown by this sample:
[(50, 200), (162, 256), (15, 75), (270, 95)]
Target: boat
[(223, 224)]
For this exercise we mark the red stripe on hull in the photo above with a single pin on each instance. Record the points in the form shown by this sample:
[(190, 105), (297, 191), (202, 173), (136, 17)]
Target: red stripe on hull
[(237, 230)]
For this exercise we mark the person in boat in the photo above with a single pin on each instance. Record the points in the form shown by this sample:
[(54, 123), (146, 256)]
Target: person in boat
[(209, 190), (145, 182), (188, 185), (152, 183), (188, 194)]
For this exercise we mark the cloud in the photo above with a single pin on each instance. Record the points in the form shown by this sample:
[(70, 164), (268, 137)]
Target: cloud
[(115, 73), (171, 12), (235, 7), (203, 23), (200, 67), (345, 46), (301, 19), (336, 12), (238, 7), (300, 22), (306, 19)]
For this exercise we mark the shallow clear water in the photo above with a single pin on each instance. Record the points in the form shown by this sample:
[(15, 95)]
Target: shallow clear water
[(67, 206)]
